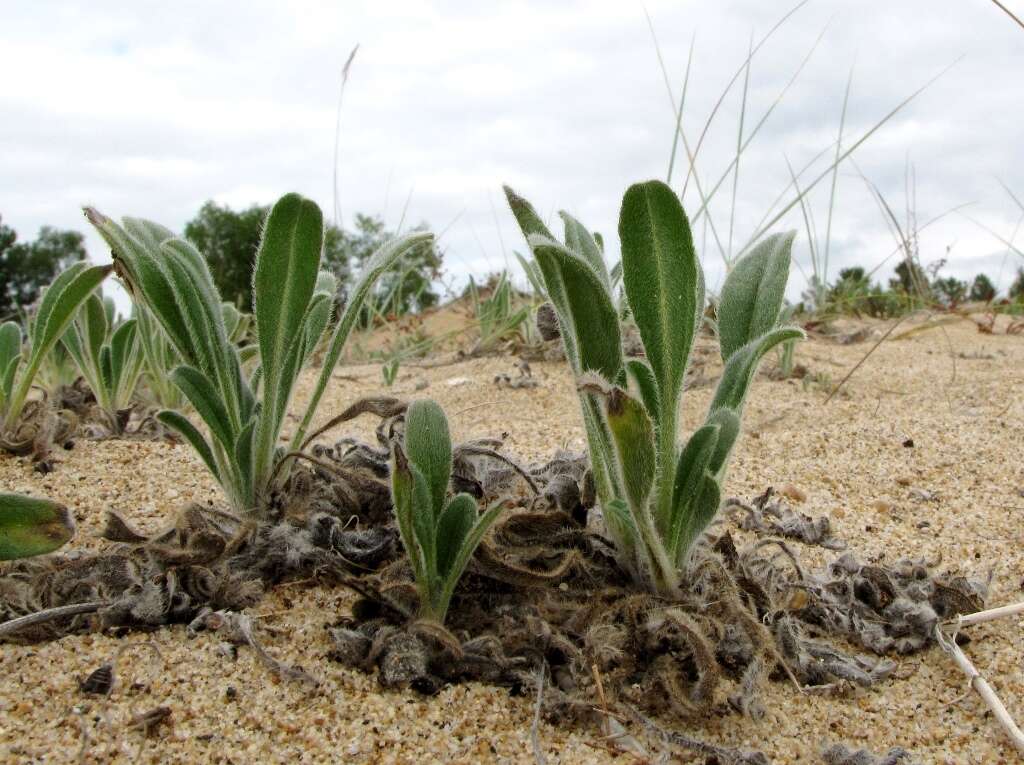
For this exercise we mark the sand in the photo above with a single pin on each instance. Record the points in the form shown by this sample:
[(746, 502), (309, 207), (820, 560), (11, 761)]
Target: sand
[(956, 495)]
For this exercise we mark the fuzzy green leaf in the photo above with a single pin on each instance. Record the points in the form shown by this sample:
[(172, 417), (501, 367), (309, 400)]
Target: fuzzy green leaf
[(429, 446), (204, 397), (30, 526), (403, 491), (469, 544), (633, 435), (453, 527), (642, 377), (382, 260), (57, 310), (592, 316), (690, 472), (581, 242), (659, 269), (728, 423), (742, 364), (179, 423), (753, 293)]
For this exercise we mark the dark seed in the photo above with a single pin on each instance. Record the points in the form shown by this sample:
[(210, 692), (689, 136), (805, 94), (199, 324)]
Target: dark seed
[(100, 681)]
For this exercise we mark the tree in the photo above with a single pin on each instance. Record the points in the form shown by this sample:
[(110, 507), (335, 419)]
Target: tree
[(950, 290), (27, 267), (910, 279), (1017, 288), (229, 240), (982, 289)]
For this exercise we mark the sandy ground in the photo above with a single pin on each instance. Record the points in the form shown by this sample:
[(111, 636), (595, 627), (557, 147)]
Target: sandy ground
[(956, 393)]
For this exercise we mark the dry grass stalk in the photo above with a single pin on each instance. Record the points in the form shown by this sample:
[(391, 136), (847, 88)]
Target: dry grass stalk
[(945, 636)]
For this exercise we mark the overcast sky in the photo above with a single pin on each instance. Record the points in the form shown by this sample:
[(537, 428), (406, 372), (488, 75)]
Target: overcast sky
[(149, 109)]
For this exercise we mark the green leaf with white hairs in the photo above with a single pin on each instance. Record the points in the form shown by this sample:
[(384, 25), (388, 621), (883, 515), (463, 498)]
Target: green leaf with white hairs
[(180, 423), (382, 260), (753, 293), (31, 526), (659, 269), (642, 378), (690, 472), (57, 310), (429, 447), (593, 320), (633, 435), (742, 364), (202, 393), (10, 359), (453, 527), (580, 241), (728, 423)]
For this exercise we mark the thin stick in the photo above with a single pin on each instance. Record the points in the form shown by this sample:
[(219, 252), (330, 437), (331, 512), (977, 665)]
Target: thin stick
[(980, 684), (984, 616), (1009, 13), (337, 132), (538, 753), (857, 366), (47, 615)]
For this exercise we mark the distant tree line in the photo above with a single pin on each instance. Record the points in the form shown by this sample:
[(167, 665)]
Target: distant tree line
[(229, 238)]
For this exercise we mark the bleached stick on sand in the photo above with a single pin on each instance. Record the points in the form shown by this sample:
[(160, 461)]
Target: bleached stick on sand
[(947, 641)]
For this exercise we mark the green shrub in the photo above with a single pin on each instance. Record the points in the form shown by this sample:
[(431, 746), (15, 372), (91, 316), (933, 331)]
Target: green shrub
[(982, 289), (293, 302), (439, 534), (657, 498)]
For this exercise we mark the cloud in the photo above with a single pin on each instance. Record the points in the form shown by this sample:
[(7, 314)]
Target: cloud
[(150, 110)]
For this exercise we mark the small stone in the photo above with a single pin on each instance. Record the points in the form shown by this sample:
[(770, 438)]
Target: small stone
[(904, 480), (882, 506)]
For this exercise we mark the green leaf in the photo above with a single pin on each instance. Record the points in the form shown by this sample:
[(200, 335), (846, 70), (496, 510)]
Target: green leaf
[(554, 281), (59, 305), (533, 274), (753, 293), (30, 526), (244, 457), (728, 423), (659, 269), (384, 259), (287, 266), (581, 242), (453, 527), (633, 435), (591, 314), (690, 471), (642, 377), (10, 359), (202, 394), (123, 348), (178, 422), (429, 446), (10, 342), (741, 366), (469, 544), (403, 490), (424, 522)]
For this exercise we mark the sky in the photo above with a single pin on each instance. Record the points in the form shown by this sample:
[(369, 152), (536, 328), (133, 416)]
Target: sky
[(149, 109)]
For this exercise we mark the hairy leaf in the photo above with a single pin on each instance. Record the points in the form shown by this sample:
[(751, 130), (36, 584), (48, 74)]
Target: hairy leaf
[(593, 319), (454, 525), (753, 293), (429, 446), (633, 435), (742, 364), (30, 526), (581, 242), (659, 269)]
